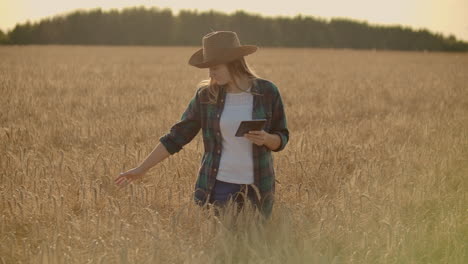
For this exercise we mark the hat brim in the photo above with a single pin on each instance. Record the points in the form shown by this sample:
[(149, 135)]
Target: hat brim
[(229, 55)]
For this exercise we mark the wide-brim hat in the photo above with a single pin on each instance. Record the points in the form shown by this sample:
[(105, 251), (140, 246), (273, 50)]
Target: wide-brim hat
[(220, 47)]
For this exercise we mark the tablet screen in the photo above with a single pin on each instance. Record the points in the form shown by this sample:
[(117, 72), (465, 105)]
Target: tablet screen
[(248, 125)]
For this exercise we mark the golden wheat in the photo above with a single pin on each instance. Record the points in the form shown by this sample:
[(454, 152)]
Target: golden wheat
[(375, 171)]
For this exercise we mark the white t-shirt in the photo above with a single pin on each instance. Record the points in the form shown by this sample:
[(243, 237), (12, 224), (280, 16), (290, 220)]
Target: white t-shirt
[(236, 164)]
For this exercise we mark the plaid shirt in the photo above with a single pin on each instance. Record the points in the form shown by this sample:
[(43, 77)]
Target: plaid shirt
[(268, 105)]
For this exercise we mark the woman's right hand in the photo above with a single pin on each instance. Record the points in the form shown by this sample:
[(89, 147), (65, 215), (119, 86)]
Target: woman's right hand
[(126, 177)]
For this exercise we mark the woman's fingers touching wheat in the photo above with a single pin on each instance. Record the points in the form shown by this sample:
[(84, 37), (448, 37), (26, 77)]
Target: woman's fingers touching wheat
[(121, 179), (126, 177)]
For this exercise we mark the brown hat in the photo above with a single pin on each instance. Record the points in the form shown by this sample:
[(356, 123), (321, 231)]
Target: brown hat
[(220, 47)]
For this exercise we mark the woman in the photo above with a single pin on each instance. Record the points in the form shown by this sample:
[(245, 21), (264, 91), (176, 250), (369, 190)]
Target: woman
[(233, 93)]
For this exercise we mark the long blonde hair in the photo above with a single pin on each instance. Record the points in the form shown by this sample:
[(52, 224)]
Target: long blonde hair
[(236, 68)]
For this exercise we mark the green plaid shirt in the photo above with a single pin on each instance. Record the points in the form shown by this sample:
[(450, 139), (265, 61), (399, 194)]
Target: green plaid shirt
[(199, 114)]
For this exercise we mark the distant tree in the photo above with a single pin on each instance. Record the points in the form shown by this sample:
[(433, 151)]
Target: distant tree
[(3, 38), (154, 26)]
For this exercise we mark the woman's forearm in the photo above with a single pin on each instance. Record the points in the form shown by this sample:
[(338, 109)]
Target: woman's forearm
[(158, 154), (273, 141)]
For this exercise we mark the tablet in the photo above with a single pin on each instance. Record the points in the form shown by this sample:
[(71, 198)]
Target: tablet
[(247, 125)]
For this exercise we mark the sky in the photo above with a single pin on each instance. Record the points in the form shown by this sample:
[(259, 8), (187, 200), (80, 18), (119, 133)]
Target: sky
[(438, 16)]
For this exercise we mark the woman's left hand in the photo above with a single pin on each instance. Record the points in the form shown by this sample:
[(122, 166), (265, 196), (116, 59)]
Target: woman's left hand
[(258, 137)]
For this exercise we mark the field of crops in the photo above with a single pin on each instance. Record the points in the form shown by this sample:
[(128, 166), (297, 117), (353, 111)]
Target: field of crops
[(376, 169)]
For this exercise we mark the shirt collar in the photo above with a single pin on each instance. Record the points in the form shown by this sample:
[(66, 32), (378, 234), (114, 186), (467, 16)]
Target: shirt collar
[(255, 87)]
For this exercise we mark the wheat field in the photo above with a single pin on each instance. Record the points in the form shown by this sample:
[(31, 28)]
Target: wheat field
[(376, 169)]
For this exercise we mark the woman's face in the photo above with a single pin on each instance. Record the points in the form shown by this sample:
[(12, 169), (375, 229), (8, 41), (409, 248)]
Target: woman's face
[(220, 74)]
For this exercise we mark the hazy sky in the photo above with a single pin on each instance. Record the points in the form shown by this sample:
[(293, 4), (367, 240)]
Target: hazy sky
[(439, 16)]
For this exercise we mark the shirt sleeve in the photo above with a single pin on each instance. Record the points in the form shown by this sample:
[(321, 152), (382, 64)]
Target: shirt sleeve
[(279, 124), (186, 129)]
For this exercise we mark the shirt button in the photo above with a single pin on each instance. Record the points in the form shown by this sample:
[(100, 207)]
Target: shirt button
[(219, 151), (215, 169), (217, 115), (217, 133)]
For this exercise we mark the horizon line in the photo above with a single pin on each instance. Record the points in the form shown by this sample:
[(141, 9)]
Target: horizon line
[(176, 11)]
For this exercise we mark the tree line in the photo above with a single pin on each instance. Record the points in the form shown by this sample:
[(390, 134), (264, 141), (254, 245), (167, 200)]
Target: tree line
[(155, 26)]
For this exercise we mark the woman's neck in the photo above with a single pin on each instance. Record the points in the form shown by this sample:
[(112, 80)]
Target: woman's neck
[(244, 85)]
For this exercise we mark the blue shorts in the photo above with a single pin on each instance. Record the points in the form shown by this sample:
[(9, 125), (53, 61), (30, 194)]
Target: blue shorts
[(223, 191)]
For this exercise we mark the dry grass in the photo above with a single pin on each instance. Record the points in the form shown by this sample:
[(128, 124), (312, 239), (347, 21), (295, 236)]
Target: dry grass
[(375, 171)]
